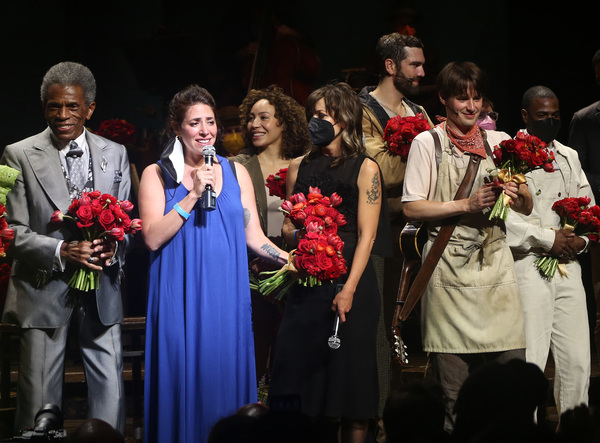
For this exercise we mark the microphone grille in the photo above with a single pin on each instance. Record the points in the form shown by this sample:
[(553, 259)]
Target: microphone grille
[(208, 150)]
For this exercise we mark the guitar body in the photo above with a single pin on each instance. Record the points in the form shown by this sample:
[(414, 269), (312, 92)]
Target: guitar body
[(411, 241)]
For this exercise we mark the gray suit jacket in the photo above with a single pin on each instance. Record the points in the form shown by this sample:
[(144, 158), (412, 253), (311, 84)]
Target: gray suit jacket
[(39, 190)]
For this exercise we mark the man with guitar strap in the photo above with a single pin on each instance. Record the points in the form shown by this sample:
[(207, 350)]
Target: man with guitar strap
[(471, 306), (400, 61)]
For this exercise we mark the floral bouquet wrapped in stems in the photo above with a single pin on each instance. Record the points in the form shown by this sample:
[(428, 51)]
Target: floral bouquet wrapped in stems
[(97, 215), (276, 183), (514, 158), (578, 217), (400, 132), (318, 257)]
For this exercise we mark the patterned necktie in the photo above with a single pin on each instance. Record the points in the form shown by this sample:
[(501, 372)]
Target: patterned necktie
[(77, 170)]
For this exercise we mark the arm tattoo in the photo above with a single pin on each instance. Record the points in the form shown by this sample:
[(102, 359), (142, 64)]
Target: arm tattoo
[(374, 194), (246, 217), (269, 249)]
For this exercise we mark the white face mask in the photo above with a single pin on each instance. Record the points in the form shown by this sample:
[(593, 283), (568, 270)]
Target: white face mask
[(487, 123)]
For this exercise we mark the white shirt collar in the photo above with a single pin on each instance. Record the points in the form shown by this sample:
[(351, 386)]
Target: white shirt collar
[(81, 142), (177, 159)]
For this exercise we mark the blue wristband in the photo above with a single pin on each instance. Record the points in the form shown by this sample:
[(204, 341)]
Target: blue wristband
[(295, 232), (181, 212)]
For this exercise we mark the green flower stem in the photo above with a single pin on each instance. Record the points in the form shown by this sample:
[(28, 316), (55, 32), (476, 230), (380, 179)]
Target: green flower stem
[(84, 280), (547, 266)]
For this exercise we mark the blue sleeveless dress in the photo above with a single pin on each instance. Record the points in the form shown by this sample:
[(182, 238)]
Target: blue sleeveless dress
[(199, 343)]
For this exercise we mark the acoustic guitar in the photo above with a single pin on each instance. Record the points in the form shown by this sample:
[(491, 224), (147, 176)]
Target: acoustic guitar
[(411, 241)]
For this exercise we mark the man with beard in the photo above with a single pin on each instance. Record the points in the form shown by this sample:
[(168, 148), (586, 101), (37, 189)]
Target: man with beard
[(554, 307), (400, 59)]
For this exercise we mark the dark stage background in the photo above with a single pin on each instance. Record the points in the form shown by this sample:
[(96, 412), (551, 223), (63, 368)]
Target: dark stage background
[(143, 51)]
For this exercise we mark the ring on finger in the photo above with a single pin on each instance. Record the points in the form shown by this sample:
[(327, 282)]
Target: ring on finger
[(91, 260)]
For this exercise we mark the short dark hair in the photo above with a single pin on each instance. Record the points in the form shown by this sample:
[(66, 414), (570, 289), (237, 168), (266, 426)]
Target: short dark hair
[(69, 74), (392, 46), (537, 92), (182, 101), (457, 77)]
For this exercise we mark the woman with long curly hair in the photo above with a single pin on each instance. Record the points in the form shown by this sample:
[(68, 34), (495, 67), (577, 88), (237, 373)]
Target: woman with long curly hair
[(274, 127)]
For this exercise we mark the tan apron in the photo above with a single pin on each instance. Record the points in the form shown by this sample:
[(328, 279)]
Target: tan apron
[(472, 302)]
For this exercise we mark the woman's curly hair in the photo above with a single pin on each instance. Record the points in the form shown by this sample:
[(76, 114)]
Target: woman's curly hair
[(288, 112)]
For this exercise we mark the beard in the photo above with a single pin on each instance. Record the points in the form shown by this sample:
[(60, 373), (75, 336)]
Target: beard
[(405, 85)]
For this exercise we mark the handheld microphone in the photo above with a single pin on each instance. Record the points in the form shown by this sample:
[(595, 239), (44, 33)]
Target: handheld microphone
[(209, 196)]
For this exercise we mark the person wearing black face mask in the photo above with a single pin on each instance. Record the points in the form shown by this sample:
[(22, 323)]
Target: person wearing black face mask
[(555, 309), (321, 132), (340, 383)]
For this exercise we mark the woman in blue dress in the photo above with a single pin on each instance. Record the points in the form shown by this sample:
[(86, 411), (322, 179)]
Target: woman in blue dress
[(199, 344)]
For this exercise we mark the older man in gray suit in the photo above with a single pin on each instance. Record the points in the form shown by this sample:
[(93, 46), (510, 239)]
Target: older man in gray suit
[(46, 255)]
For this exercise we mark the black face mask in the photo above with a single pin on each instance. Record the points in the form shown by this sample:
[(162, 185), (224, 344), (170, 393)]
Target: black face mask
[(320, 131), (546, 130)]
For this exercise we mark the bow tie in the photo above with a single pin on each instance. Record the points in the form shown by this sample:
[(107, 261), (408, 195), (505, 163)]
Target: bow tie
[(75, 150)]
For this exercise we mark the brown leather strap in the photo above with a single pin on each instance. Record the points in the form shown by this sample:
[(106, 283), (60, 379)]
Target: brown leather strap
[(439, 244)]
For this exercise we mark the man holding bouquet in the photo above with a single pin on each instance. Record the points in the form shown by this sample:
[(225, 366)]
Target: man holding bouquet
[(554, 303), (471, 309), (56, 166), (400, 62)]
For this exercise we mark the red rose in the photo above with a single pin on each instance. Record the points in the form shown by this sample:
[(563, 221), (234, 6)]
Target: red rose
[(96, 207), (74, 206), (125, 223), (106, 219), (584, 201), (120, 215), (85, 216)]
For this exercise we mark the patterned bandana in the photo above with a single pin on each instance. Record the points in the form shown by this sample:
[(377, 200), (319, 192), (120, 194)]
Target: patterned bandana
[(471, 142)]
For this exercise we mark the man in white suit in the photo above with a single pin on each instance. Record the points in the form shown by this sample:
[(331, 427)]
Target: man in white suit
[(45, 255), (555, 309)]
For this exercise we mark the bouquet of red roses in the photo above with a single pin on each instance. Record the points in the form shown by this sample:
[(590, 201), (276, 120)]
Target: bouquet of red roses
[(578, 217), (6, 233), (98, 215), (318, 256), (276, 183), (117, 130), (514, 158), (400, 132)]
